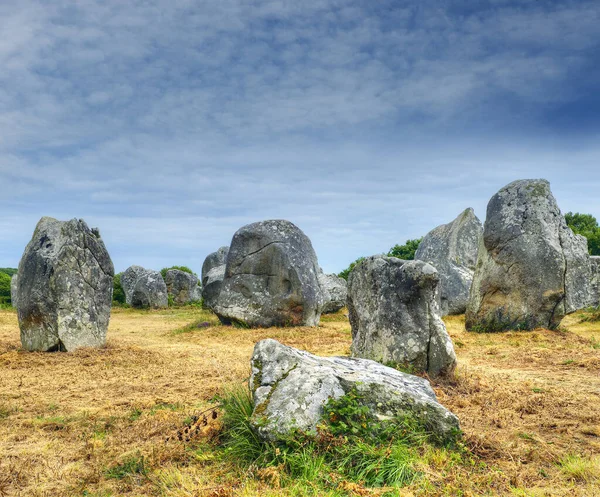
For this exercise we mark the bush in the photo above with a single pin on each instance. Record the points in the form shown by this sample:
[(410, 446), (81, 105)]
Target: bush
[(9, 270), (185, 269), (346, 272), (406, 251), (5, 288), (118, 292), (351, 445), (586, 225)]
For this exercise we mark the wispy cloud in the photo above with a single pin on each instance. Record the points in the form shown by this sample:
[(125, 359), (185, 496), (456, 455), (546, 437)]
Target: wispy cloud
[(172, 123)]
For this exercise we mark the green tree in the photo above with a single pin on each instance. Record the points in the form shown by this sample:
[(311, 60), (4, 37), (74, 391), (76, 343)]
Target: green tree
[(4, 288), (118, 292), (406, 251), (586, 225), (346, 272), (581, 223), (9, 270)]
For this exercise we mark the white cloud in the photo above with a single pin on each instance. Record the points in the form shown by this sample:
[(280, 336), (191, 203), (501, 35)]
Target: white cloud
[(172, 123)]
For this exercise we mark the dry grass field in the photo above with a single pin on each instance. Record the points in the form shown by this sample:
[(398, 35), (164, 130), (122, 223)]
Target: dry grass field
[(108, 422)]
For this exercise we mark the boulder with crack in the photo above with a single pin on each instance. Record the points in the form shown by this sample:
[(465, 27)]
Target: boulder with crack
[(271, 278), (291, 387), (531, 269), (394, 313), (144, 288), (65, 286), (452, 249)]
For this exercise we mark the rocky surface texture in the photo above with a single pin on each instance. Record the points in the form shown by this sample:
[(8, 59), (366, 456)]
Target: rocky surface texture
[(144, 288), (271, 278), (290, 388), (335, 291), (14, 289), (531, 269), (452, 249), (395, 317), (213, 260), (213, 272), (182, 287), (595, 264), (65, 285)]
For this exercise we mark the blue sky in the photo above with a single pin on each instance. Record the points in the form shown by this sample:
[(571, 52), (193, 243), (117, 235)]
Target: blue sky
[(170, 124)]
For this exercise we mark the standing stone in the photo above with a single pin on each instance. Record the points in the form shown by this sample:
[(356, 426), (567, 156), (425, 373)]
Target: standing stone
[(452, 249), (213, 272), (14, 289), (182, 287), (213, 260), (595, 263), (394, 315), (271, 278), (65, 285), (335, 291), (291, 387), (531, 269), (144, 288)]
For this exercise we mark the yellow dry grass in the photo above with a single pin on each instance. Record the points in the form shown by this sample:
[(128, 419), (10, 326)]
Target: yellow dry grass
[(529, 404)]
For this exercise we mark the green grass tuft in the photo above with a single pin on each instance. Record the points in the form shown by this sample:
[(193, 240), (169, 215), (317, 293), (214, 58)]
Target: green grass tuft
[(350, 445)]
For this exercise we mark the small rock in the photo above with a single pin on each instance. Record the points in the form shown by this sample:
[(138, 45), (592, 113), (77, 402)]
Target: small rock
[(335, 292), (14, 290)]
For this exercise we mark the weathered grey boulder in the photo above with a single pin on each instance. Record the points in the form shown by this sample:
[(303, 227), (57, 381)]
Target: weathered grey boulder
[(452, 249), (290, 388), (182, 287), (335, 291), (395, 317), (144, 288), (213, 260), (271, 278), (531, 269), (212, 286), (14, 289), (213, 272), (65, 285), (595, 265)]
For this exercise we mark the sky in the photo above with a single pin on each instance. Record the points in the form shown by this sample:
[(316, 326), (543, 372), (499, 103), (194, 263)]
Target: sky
[(169, 124)]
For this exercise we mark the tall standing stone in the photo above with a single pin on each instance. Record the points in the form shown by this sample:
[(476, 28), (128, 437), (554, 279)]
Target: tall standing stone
[(394, 315), (452, 249), (271, 278), (531, 269), (213, 260), (213, 272), (144, 288), (65, 285)]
